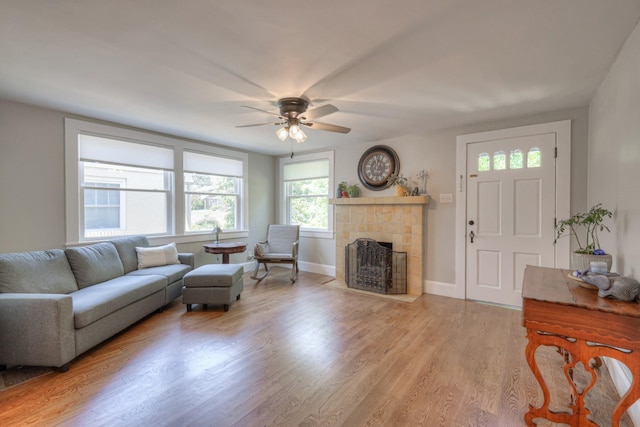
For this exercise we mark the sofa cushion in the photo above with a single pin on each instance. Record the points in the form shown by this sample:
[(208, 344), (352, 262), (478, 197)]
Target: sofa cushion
[(45, 272), (157, 256), (126, 247), (95, 302), (94, 264), (172, 272)]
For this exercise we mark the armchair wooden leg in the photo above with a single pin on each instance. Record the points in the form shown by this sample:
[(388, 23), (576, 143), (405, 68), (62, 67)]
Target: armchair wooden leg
[(255, 273)]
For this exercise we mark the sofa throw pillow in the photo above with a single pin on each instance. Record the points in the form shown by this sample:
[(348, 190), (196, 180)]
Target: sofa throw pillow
[(156, 256)]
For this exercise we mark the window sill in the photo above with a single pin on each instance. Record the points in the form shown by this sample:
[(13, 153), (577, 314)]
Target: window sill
[(316, 234)]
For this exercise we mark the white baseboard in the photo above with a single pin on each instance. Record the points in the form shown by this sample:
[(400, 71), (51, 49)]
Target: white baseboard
[(443, 289), (621, 378), (327, 270)]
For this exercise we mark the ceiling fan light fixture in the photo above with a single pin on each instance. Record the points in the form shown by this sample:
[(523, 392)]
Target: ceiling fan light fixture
[(301, 137), (294, 130), (282, 133)]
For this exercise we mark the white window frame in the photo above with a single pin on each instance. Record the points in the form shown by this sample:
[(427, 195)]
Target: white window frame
[(302, 158), (73, 202)]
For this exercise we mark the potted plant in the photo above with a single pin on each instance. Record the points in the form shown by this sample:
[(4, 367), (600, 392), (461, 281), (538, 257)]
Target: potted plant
[(342, 187), (400, 184), (588, 248), (353, 190)]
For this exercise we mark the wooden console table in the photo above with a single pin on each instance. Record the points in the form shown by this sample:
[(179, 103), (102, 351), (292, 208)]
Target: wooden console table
[(558, 312), (225, 249)]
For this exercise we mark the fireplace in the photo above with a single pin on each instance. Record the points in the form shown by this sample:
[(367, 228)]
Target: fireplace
[(399, 220), (375, 267)]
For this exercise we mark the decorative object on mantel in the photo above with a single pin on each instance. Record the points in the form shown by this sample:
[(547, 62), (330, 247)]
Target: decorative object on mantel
[(376, 166), (341, 187), (400, 185), (353, 190), (617, 287), (593, 222), (423, 175)]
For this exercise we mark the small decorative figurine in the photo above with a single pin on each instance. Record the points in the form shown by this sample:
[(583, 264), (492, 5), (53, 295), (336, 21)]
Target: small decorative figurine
[(616, 287)]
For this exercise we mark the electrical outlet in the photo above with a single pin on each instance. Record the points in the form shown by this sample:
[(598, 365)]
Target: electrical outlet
[(446, 198)]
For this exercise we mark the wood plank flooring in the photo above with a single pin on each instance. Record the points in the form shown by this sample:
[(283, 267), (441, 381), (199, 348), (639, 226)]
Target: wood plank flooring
[(302, 355)]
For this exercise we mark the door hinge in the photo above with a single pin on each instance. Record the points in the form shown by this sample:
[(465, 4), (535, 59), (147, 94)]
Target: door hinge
[(556, 154)]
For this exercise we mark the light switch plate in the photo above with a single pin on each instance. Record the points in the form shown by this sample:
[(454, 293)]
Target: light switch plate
[(446, 198)]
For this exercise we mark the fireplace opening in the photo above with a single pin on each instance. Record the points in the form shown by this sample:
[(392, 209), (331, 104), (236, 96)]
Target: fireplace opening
[(374, 266)]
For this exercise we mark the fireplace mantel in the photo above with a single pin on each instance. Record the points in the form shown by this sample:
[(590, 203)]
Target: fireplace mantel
[(409, 200), (398, 220)]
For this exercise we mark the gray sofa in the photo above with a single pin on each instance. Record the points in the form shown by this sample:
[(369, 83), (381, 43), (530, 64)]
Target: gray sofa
[(57, 304)]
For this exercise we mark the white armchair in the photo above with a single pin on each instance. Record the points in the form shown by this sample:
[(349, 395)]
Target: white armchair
[(281, 247)]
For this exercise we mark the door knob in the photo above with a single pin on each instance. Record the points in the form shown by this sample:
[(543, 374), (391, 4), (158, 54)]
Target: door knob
[(471, 222)]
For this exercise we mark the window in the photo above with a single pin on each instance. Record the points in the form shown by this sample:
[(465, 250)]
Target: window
[(499, 160), (306, 183), (484, 162), (101, 206), (211, 199), (139, 204), (533, 158), (515, 161), (122, 182)]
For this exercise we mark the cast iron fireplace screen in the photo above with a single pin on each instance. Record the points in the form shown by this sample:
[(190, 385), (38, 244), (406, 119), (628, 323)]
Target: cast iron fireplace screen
[(373, 266)]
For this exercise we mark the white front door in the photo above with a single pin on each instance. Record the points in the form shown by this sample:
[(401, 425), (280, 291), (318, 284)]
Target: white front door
[(510, 214), (512, 184)]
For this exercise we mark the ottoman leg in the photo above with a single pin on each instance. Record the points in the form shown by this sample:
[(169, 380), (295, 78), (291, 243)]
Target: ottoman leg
[(226, 307), (238, 297)]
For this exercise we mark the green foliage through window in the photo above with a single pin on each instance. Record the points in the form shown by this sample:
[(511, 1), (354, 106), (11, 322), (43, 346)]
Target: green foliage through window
[(308, 203)]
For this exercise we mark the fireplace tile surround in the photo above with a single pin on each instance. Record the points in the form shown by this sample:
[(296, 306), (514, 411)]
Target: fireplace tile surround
[(399, 220)]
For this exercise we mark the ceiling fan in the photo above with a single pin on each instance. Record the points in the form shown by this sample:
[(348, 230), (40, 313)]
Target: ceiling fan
[(294, 114)]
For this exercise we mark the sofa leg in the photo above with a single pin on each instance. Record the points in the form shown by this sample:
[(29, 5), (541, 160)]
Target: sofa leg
[(62, 369), (188, 307), (226, 307), (238, 297), (3, 368)]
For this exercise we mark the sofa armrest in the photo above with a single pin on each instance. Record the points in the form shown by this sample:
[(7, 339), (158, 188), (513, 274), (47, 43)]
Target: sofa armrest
[(188, 259), (36, 329)]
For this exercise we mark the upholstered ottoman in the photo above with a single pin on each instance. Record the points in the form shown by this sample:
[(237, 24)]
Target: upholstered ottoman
[(213, 284)]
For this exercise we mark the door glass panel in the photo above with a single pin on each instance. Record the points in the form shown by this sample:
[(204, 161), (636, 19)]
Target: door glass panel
[(499, 160), (484, 162), (534, 158), (515, 161)]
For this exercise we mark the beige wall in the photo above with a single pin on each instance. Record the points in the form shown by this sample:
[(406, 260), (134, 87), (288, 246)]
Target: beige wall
[(32, 208), (614, 156), (436, 152), (32, 179)]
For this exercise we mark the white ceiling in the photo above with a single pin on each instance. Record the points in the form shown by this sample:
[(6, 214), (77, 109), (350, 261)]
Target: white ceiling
[(392, 67)]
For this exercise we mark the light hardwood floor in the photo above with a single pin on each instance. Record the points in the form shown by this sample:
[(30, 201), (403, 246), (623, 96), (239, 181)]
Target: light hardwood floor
[(301, 355)]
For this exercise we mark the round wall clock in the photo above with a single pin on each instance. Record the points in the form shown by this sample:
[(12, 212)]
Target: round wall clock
[(376, 165)]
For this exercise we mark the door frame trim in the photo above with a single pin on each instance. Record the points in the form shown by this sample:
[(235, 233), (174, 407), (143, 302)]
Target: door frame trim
[(562, 129)]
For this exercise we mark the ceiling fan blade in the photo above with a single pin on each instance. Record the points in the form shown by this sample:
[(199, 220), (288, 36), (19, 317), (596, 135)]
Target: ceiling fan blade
[(322, 111), (328, 127), (259, 124), (262, 111)]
